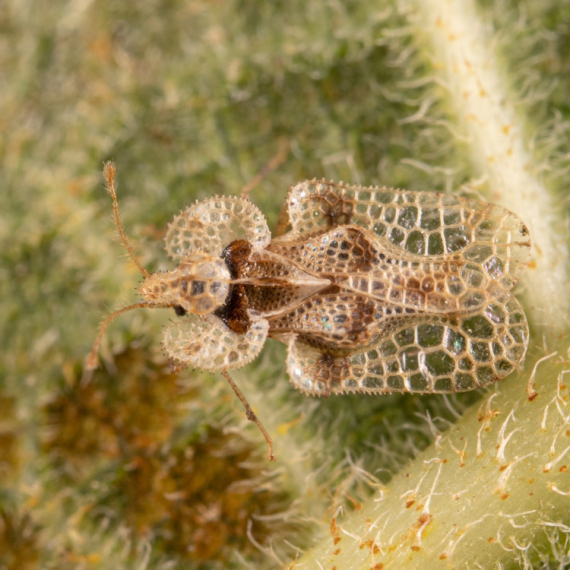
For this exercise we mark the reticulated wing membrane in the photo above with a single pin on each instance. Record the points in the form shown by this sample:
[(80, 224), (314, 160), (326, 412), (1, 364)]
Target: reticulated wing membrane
[(207, 343), (428, 225), (431, 355), (358, 261), (209, 226)]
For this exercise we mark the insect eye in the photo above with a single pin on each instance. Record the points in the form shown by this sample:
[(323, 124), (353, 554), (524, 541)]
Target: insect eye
[(180, 311)]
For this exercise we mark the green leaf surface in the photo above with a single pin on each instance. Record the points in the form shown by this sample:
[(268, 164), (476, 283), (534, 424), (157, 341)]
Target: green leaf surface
[(144, 469)]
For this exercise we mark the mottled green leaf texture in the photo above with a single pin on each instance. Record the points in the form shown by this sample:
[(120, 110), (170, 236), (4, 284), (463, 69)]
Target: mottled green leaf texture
[(145, 468)]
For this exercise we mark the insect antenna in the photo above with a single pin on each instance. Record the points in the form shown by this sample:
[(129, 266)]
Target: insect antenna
[(109, 170), (91, 362)]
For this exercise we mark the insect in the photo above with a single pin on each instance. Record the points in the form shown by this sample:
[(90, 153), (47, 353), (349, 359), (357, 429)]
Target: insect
[(373, 290)]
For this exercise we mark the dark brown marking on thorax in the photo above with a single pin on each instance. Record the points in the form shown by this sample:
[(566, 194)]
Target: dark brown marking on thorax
[(272, 291), (234, 312), (236, 256), (270, 298)]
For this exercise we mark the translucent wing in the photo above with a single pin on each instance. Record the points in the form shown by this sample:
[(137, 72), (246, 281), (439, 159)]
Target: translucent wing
[(209, 226), (360, 262), (430, 355), (210, 345), (425, 224)]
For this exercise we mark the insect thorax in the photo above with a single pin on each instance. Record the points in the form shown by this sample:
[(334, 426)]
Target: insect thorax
[(264, 284)]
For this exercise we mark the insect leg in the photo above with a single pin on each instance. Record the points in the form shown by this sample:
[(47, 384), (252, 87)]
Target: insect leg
[(250, 414), (278, 159)]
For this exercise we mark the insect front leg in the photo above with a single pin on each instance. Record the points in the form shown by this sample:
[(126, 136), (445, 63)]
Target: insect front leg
[(276, 161)]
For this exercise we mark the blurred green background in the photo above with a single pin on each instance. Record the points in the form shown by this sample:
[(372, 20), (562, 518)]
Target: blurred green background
[(141, 468)]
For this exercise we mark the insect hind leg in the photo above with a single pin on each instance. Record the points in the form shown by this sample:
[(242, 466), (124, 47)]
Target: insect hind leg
[(250, 414)]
